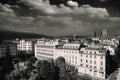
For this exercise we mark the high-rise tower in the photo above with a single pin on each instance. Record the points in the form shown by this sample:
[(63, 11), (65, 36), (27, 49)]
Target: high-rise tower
[(104, 33)]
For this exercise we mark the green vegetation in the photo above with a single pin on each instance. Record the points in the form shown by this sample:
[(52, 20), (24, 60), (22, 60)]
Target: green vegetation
[(46, 70)]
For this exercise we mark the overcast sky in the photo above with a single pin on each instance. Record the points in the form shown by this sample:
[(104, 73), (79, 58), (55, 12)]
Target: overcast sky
[(37, 16)]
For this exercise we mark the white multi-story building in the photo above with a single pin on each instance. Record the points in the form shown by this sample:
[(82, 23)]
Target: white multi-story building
[(44, 50), (25, 45), (91, 61), (88, 60)]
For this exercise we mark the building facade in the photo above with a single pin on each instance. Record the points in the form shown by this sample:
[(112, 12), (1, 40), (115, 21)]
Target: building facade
[(87, 60), (45, 49), (25, 45), (104, 33), (12, 48)]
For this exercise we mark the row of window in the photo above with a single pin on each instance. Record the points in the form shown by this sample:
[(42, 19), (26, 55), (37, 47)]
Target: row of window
[(91, 56), (101, 62), (94, 52), (74, 47), (43, 46), (66, 51), (90, 66), (44, 54), (72, 61), (68, 56), (24, 45), (45, 50)]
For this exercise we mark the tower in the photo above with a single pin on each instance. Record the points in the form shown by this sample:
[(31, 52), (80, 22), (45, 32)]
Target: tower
[(95, 34), (104, 33)]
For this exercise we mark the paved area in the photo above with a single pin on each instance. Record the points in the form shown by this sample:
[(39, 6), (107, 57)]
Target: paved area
[(113, 76)]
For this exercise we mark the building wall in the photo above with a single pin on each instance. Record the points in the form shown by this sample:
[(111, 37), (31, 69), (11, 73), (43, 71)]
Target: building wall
[(45, 49), (24, 45), (91, 61), (12, 47)]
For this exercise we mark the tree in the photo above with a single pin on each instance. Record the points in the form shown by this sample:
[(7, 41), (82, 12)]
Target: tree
[(47, 70), (8, 60), (44, 69), (31, 62), (61, 64), (22, 55), (84, 77)]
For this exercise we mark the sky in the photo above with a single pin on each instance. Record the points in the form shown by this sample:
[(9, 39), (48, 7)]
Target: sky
[(65, 17)]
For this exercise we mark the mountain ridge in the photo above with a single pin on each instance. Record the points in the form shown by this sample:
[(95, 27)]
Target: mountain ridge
[(4, 34)]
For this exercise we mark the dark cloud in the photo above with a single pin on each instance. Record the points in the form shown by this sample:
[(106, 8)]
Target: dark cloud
[(43, 18)]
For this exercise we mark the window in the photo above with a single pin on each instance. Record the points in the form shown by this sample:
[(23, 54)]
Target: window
[(94, 56), (86, 55), (86, 61), (76, 57), (91, 52), (90, 55), (86, 65), (102, 74), (81, 55), (81, 60), (90, 66), (101, 62), (101, 68), (95, 67), (76, 62), (94, 62), (101, 57), (90, 61), (81, 64)]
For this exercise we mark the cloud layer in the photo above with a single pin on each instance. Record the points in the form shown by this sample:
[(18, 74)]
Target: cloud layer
[(72, 8), (38, 16)]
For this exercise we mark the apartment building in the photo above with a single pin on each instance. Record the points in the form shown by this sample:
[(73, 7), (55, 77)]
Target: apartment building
[(25, 45), (69, 51), (93, 62), (87, 60), (12, 47), (44, 49)]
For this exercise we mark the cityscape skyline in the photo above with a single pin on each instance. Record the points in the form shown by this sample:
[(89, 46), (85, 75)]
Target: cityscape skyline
[(59, 40)]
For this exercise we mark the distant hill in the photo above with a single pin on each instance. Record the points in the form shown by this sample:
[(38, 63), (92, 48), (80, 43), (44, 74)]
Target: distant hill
[(13, 35)]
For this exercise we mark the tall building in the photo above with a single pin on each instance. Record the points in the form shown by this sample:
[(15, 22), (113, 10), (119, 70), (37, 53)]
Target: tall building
[(95, 34), (104, 33)]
